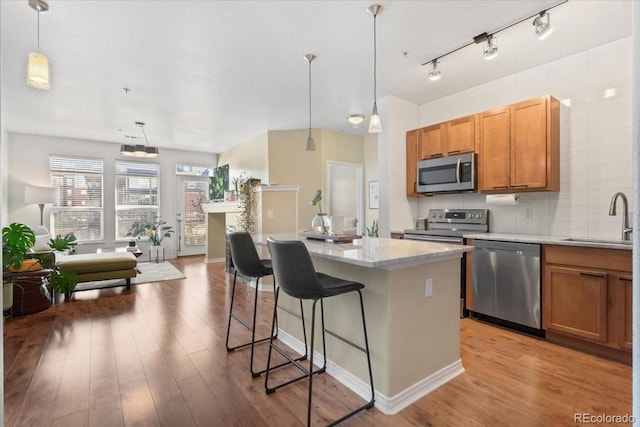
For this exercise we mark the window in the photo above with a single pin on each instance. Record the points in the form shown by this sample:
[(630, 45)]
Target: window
[(137, 193), (79, 208)]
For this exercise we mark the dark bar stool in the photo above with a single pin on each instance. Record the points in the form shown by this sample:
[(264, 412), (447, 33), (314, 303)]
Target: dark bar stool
[(296, 276), (247, 261)]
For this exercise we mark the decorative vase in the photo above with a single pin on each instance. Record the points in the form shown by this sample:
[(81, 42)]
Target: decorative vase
[(320, 223)]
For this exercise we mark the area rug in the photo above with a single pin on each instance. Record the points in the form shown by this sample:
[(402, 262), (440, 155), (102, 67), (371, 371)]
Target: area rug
[(147, 272)]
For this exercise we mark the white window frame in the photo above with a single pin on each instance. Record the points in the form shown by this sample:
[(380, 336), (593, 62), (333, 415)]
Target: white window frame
[(73, 171), (124, 169)]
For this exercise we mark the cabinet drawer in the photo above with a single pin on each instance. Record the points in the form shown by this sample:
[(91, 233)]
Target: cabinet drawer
[(608, 259)]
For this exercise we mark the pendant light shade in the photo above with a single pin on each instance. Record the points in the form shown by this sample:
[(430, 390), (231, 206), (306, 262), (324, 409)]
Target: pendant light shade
[(139, 150), (311, 144), (38, 64), (38, 71), (375, 125)]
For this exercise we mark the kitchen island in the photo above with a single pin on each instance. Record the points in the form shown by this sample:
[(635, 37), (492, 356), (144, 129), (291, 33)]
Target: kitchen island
[(414, 339)]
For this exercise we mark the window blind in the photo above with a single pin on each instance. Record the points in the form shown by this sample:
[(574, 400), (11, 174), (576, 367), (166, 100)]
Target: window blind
[(137, 194), (79, 205)]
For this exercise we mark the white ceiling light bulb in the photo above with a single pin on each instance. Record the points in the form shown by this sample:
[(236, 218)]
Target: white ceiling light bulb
[(543, 29), (38, 64), (375, 125), (434, 72), (355, 119), (491, 47)]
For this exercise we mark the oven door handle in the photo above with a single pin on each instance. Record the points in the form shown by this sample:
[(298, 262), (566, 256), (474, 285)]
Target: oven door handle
[(458, 171)]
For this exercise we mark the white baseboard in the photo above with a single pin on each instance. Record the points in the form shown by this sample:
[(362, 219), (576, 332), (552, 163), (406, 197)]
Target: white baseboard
[(386, 405)]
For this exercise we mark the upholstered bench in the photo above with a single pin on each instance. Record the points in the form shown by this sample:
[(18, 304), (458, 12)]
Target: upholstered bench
[(101, 266)]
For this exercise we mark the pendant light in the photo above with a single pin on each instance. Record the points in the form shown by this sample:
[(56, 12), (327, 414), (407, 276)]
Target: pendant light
[(311, 144), (375, 126), (38, 64), (139, 150)]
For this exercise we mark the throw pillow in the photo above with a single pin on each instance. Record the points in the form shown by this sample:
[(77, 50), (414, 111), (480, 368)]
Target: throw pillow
[(42, 243), (27, 265), (39, 229)]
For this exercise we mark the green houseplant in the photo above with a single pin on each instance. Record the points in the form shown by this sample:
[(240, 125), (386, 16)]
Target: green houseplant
[(156, 230), (63, 243)]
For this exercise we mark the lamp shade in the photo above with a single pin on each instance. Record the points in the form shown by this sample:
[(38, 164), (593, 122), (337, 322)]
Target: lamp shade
[(39, 195), (38, 71)]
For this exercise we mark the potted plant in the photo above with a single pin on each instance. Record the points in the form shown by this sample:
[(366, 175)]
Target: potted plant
[(320, 222), (63, 244), (156, 231)]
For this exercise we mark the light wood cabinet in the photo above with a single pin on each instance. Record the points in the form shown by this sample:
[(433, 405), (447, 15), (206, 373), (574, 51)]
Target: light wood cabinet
[(576, 302), (460, 135), (519, 147), (412, 161), (431, 141), (587, 295)]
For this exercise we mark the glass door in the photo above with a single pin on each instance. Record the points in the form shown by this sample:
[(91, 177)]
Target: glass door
[(192, 192)]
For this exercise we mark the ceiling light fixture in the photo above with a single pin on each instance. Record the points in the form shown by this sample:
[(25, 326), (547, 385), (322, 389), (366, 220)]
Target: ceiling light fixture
[(375, 125), (355, 119), (491, 47), (139, 150), (311, 144), (543, 29), (38, 64), (434, 72)]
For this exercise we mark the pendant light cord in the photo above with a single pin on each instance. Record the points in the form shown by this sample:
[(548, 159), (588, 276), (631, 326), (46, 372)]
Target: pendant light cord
[(144, 134), (309, 98), (375, 60), (38, 31)]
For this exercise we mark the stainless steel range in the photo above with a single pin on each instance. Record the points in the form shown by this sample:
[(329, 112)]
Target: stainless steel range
[(448, 226)]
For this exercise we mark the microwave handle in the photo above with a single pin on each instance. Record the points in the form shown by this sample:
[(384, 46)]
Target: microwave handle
[(458, 171)]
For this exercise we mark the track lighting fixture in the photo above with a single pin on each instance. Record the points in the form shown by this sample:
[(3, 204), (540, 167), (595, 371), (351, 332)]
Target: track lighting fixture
[(434, 72), (311, 144), (543, 29), (491, 47), (375, 125)]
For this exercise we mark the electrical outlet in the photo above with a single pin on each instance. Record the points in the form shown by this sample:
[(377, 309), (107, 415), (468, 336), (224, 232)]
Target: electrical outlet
[(270, 214), (528, 213), (428, 288)]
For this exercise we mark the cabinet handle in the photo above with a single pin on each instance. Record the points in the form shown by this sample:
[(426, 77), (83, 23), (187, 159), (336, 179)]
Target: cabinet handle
[(519, 186), (453, 152), (500, 187), (592, 274), (433, 156), (625, 279)]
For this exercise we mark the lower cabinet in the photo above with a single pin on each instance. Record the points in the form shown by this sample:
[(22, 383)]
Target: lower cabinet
[(587, 294)]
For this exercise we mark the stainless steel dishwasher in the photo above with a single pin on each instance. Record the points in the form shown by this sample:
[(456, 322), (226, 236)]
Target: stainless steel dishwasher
[(506, 282)]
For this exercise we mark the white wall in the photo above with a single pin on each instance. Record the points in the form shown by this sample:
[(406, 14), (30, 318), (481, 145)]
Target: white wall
[(370, 150), (29, 164), (595, 142)]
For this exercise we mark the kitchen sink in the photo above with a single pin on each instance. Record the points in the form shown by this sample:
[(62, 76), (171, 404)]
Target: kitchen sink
[(604, 241)]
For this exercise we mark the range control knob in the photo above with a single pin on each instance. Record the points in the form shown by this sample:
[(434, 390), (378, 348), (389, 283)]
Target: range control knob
[(479, 215)]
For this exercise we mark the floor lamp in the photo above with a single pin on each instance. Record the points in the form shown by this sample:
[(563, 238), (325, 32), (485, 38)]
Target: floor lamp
[(40, 196)]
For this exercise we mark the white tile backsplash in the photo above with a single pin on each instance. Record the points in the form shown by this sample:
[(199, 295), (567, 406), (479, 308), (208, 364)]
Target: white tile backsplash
[(595, 143)]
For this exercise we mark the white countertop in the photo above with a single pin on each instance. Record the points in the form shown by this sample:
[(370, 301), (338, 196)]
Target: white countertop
[(377, 252), (552, 240)]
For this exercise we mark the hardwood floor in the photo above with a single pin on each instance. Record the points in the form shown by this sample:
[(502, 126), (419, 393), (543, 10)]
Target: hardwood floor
[(156, 356)]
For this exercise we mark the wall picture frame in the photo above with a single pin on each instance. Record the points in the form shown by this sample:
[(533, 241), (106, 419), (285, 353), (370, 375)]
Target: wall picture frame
[(374, 195)]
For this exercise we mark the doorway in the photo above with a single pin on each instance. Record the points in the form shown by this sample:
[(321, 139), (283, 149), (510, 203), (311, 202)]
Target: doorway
[(192, 192), (345, 194)]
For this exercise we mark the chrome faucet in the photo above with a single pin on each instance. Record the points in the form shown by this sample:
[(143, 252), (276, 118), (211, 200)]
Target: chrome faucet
[(626, 230)]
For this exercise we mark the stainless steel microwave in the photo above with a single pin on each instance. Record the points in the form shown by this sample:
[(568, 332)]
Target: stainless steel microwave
[(449, 174)]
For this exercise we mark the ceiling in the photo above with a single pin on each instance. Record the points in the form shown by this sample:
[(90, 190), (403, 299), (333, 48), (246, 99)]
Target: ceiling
[(208, 75)]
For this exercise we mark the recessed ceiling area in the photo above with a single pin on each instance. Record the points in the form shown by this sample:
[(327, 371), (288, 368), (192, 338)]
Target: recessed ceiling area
[(208, 75)]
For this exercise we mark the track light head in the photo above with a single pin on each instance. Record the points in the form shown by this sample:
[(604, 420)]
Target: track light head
[(543, 29), (491, 47), (434, 72)]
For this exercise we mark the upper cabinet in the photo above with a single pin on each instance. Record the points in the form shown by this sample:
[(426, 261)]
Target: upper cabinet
[(519, 147), (431, 141), (448, 138), (412, 163)]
